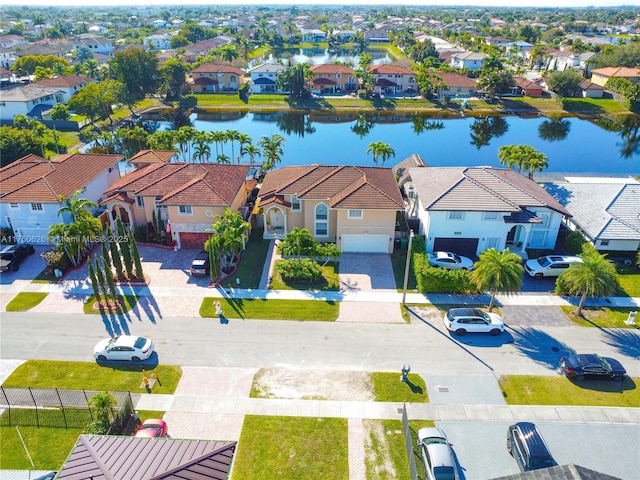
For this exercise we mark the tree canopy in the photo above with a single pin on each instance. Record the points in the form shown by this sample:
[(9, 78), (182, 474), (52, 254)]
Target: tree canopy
[(138, 71)]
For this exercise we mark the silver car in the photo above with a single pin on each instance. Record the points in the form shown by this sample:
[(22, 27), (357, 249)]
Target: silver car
[(450, 260), (437, 454)]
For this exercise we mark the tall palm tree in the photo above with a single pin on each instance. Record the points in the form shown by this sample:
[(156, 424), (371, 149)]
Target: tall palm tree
[(103, 404), (380, 150), (222, 158), (74, 205), (594, 277), (244, 140), (271, 150), (232, 136), (252, 151), (498, 272)]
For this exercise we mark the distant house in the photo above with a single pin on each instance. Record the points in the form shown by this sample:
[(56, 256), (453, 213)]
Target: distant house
[(146, 157), (95, 43), (158, 42), (393, 79), (600, 76), (353, 206), (471, 209), (69, 84), (377, 35), (591, 90), (330, 78), (185, 195), (526, 87), (215, 78), (263, 78), (497, 41), (605, 210), (456, 85), (313, 35), (30, 187), (31, 100), (470, 60)]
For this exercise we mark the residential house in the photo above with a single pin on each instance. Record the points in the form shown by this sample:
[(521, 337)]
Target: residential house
[(526, 87), (158, 42), (393, 79), (263, 78), (30, 188), (497, 41), (30, 100), (591, 90), (605, 210), (132, 458), (471, 209), (185, 196), (600, 76), (7, 57), (11, 40), (343, 36), (562, 61), (313, 35), (68, 84), (146, 157), (353, 206), (377, 35), (215, 78), (95, 43), (456, 85), (470, 60), (330, 78), (203, 47)]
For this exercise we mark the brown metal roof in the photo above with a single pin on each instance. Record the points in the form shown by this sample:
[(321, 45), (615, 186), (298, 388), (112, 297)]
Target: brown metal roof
[(129, 458)]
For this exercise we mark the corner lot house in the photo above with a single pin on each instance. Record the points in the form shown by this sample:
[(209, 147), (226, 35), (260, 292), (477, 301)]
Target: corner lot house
[(353, 206), (30, 187), (605, 210), (185, 197), (470, 209)]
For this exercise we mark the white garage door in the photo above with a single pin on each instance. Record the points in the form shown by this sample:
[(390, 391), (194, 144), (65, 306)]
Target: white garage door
[(365, 243)]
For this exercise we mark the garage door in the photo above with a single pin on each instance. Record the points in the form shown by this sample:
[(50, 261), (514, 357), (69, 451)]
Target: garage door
[(462, 246), (365, 243), (193, 240)]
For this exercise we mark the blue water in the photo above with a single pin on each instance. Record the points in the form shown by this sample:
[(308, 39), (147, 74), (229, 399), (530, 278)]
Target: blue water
[(586, 149)]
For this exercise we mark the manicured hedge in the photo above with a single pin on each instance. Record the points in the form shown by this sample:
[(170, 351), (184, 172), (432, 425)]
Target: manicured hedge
[(439, 280)]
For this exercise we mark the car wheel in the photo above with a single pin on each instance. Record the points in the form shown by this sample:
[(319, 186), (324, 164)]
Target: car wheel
[(509, 448), (135, 359), (102, 358), (539, 276), (460, 332), (578, 378), (15, 267), (495, 332)]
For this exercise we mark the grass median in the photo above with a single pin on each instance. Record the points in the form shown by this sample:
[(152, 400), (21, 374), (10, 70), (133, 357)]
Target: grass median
[(600, 317), (247, 308), (25, 301)]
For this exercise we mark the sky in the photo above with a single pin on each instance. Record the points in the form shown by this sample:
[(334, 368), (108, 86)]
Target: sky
[(494, 3)]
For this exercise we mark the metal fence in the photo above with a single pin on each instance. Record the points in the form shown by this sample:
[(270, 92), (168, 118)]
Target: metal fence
[(52, 407), (408, 443)]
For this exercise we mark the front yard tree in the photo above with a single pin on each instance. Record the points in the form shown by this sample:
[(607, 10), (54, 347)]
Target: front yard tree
[(133, 248), (565, 83), (94, 280), (271, 150), (173, 75), (231, 230), (498, 272), (524, 158), (94, 100), (298, 241), (294, 79), (595, 276), (124, 248), (138, 70), (115, 254), (74, 206)]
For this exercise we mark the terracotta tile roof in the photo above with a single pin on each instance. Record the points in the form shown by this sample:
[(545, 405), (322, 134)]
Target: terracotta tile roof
[(63, 81), (456, 80), (388, 69), (131, 458), (217, 68), (525, 83), (185, 183), (152, 156), (479, 189), (331, 68), (343, 187), (34, 179), (617, 72)]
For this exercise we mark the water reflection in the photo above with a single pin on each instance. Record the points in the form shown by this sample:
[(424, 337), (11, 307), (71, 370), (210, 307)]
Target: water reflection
[(554, 130), (318, 56), (363, 126), (423, 123), (484, 129), (628, 129), (293, 123)]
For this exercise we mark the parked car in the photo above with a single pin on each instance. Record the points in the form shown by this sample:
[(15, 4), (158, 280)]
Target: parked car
[(153, 428), (578, 367), (11, 256), (450, 260), (550, 265), (124, 348), (200, 265), (473, 320), (528, 448), (437, 454)]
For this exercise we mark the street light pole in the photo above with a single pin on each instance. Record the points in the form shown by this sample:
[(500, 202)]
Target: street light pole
[(406, 268)]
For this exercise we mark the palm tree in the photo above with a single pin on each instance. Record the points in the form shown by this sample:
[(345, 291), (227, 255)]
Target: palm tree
[(252, 151), (222, 158), (244, 140), (228, 53), (74, 205), (498, 272), (232, 136), (271, 150), (382, 150), (595, 276), (103, 404), (523, 157)]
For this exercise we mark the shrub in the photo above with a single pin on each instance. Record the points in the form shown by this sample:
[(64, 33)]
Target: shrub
[(574, 242), (439, 280), (189, 101), (55, 259), (300, 270), (97, 427)]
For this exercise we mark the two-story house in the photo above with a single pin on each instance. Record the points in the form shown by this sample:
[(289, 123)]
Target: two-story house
[(68, 84), (263, 78), (215, 78), (393, 79), (355, 207), (330, 78), (469, 60), (30, 187), (30, 100)]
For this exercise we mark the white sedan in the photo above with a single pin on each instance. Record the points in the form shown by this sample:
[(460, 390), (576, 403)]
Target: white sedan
[(123, 348), (450, 260)]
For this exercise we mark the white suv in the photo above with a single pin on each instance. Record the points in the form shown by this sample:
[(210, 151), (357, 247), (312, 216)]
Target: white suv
[(550, 265), (473, 320)]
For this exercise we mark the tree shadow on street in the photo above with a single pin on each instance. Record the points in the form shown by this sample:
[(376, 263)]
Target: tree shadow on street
[(539, 346)]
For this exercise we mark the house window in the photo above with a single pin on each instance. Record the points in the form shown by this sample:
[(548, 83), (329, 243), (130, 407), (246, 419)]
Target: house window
[(545, 221), (37, 207), (185, 210), (321, 220), (455, 215), (537, 239), (490, 216), (140, 201), (355, 214), (604, 243), (14, 206), (492, 242), (295, 203)]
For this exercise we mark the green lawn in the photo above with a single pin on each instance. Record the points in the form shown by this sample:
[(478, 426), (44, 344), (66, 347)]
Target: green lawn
[(316, 310), (252, 261), (292, 448), (127, 302), (328, 282), (602, 317), (398, 262), (387, 387), (48, 447), (535, 390), (25, 301), (90, 376), (630, 283)]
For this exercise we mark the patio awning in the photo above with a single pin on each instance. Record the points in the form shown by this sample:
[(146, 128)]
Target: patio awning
[(524, 216), (263, 81)]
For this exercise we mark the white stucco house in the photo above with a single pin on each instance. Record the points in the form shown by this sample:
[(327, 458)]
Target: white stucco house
[(605, 210), (30, 100), (263, 78), (29, 189), (158, 42), (470, 60), (471, 209)]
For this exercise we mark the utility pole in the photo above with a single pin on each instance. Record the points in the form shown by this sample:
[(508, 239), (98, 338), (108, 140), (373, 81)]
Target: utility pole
[(406, 268)]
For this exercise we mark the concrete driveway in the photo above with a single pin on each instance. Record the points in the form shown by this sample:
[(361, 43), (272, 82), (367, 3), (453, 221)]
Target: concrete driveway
[(29, 269), (366, 271)]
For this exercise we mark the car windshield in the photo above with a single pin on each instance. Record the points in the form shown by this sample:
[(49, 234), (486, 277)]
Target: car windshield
[(140, 341), (542, 462), (604, 363), (456, 257), (112, 342), (444, 473), (434, 440), (544, 261), (486, 317)]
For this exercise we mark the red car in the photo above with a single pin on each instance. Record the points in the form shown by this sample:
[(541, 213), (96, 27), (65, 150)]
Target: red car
[(153, 428)]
